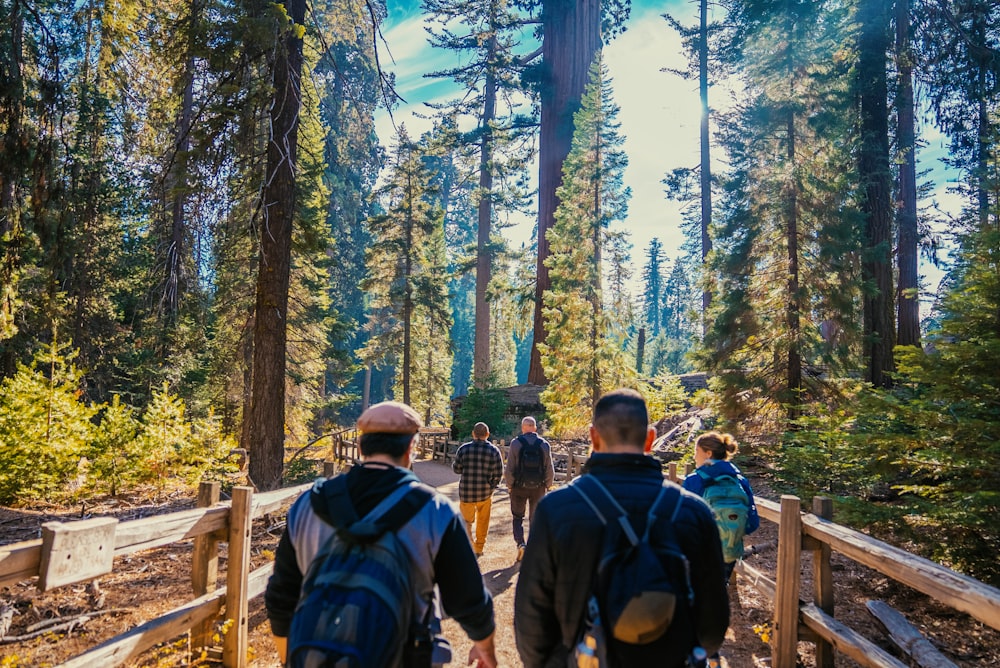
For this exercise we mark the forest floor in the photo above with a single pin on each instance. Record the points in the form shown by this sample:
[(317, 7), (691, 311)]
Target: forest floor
[(148, 584)]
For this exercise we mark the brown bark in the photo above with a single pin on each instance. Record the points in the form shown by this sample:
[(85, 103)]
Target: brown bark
[(267, 426), (174, 280), (876, 263), (484, 256), (907, 296), (794, 307), (572, 36)]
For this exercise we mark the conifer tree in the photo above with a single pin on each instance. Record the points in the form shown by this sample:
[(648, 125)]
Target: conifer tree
[(787, 241), (267, 405), (652, 294), (395, 263), (578, 353)]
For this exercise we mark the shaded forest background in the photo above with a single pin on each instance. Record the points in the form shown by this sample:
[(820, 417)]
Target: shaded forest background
[(204, 245)]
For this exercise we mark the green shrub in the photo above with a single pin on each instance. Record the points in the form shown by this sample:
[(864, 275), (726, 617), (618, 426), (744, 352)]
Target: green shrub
[(489, 405), (44, 430)]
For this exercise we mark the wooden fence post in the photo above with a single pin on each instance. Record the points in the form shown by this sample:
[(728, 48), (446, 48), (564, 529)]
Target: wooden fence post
[(205, 564), (823, 581), (688, 469), (329, 469), (234, 650), (672, 471), (786, 597)]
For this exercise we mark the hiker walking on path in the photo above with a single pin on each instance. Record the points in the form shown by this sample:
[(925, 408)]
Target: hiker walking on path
[(580, 555), (727, 492), (529, 474), (480, 464), (320, 602)]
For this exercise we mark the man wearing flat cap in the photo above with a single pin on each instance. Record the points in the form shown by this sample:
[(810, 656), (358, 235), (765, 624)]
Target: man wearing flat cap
[(434, 537)]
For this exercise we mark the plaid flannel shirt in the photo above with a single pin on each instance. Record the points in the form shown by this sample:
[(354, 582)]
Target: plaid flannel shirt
[(481, 467)]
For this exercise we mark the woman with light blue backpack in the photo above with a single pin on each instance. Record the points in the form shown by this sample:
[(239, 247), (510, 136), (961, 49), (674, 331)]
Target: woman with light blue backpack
[(728, 493), (717, 480)]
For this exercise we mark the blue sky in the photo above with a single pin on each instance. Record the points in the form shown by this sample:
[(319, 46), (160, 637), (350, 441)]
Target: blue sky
[(659, 116)]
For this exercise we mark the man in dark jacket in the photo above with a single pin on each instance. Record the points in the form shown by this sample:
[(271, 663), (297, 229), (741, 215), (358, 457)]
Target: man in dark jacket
[(434, 537), (564, 547)]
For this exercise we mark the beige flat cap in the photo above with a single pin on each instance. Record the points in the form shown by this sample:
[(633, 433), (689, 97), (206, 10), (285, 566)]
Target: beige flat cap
[(390, 417)]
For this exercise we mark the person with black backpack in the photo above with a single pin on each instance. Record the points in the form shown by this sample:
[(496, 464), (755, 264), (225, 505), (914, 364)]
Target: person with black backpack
[(528, 475), (363, 557), (623, 568)]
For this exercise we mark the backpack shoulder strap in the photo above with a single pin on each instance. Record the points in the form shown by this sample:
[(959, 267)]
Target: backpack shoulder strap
[(390, 514), (668, 494), (603, 504)]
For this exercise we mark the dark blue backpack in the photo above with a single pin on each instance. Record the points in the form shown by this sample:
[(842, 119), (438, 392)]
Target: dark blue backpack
[(356, 607), (640, 608), (530, 464)]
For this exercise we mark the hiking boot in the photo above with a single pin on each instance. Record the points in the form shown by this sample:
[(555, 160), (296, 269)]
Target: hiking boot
[(520, 552)]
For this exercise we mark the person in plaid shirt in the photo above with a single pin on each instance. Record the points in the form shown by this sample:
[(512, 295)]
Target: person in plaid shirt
[(481, 466)]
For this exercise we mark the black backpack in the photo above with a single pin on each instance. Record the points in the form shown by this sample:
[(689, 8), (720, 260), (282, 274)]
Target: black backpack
[(356, 607), (641, 602), (530, 464)]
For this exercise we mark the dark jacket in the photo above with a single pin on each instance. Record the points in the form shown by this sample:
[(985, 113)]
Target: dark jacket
[(562, 554), (435, 538), (713, 468)]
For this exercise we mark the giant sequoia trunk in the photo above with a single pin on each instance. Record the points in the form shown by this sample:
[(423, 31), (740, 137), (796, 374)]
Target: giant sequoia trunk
[(873, 168), (907, 296), (572, 36), (267, 410)]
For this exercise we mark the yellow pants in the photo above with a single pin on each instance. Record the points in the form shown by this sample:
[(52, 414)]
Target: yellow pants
[(479, 514)]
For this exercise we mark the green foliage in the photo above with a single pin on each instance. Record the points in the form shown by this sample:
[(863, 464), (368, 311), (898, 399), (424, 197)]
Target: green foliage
[(665, 397), (488, 404), (45, 430), (927, 449), (116, 452)]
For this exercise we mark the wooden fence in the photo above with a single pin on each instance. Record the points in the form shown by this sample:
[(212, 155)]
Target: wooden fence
[(73, 552), (814, 621)]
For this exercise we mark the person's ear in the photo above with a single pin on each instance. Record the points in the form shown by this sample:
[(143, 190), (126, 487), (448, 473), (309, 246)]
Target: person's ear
[(595, 440), (650, 437)]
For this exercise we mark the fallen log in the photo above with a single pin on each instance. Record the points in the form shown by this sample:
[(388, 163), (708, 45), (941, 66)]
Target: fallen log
[(907, 637)]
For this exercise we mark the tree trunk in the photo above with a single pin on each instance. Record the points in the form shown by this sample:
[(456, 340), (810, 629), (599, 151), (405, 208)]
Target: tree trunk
[(706, 163), (794, 308), (876, 263), (907, 294), (640, 349), (595, 294), (13, 147), (572, 36), (484, 255), (408, 290), (174, 280), (267, 427)]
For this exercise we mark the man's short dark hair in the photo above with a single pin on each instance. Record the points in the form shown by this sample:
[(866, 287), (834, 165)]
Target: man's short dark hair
[(481, 430), (393, 445), (621, 418)]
